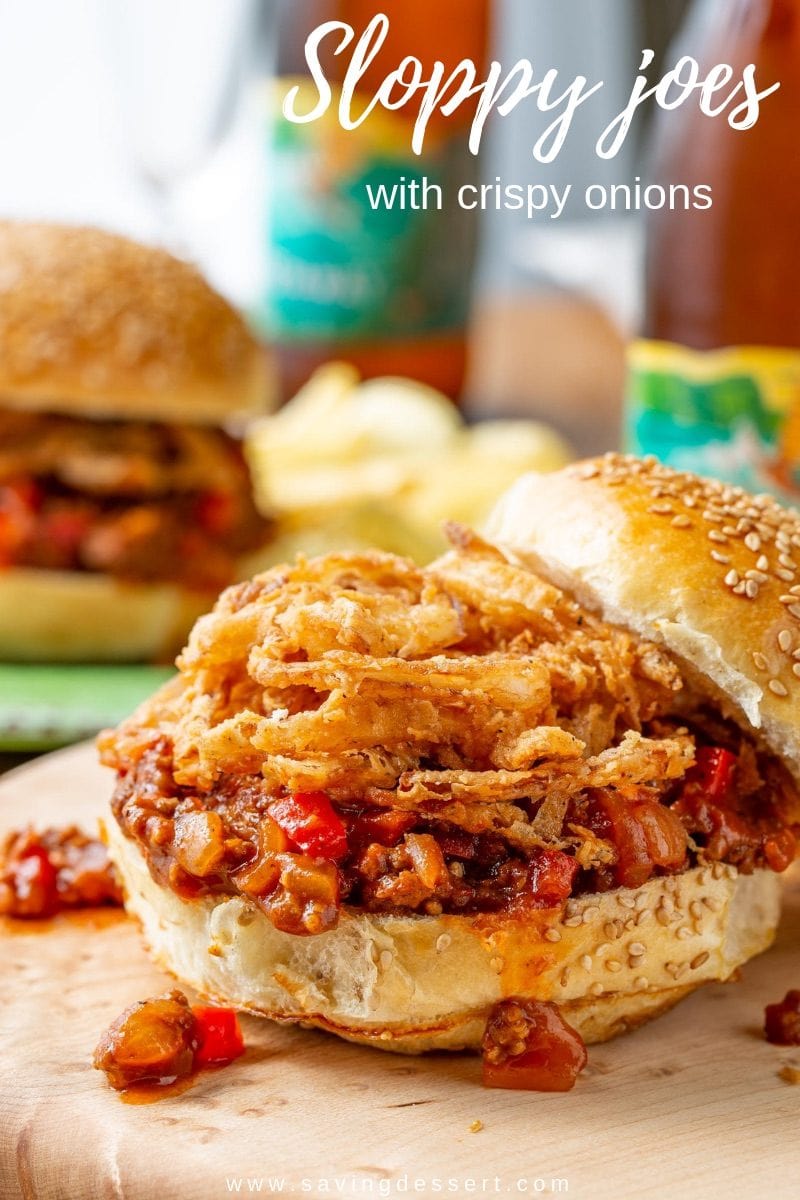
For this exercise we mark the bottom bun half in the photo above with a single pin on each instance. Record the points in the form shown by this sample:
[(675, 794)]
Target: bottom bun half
[(71, 616), (417, 983)]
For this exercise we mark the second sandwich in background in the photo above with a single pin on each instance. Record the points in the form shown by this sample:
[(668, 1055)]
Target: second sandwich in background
[(126, 503)]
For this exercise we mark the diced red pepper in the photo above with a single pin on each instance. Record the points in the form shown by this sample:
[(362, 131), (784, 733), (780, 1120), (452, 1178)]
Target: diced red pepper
[(66, 527), (552, 875), (20, 500), (713, 771), (219, 1036), (309, 820), (22, 493), (34, 884), (216, 512)]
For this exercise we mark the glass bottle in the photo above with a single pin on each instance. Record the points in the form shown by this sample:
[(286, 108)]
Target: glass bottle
[(715, 384), (385, 289)]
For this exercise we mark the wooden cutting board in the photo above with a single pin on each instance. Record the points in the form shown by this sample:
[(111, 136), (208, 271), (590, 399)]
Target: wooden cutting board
[(689, 1106)]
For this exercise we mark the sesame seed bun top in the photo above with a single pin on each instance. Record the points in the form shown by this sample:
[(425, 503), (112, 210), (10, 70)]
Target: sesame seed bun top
[(97, 325), (701, 567)]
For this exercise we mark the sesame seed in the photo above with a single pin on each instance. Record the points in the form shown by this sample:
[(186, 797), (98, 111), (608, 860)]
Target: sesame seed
[(604, 949), (699, 960), (662, 916), (760, 660), (712, 904), (661, 510), (784, 574), (637, 949), (641, 982), (785, 640), (597, 989), (642, 916), (552, 935), (565, 977), (794, 609), (751, 589), (787, 561), (683, 933), (626, 901), (796, 669), (757, 576), (572, 922), (753, 542), (714, 535), (718, 870), (590, 913), (613, 965), (732, 578), (739, 589), (787, 598), (777, 688), (696, 909), (763, 563), (681, 522), (586, 962), (442, 942), (722, 559)]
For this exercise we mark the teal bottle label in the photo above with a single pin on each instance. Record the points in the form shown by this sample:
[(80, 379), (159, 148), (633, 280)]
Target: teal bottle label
[(364, 240)]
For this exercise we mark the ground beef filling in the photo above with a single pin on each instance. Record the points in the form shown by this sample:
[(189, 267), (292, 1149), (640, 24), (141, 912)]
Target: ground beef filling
[(302, 857), (139, 501), (54, 870)]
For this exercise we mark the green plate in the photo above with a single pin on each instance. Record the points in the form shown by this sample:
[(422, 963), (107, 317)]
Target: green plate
[(43, 707)]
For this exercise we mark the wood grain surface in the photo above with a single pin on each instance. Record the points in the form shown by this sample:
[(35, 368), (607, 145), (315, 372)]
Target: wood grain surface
[(691, 1106)]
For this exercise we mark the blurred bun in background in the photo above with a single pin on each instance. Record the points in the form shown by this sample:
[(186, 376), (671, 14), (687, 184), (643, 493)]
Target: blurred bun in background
[(96, 325), (125, 499)]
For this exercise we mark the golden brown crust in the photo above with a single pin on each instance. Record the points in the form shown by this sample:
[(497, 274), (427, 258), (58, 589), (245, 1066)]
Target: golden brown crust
[(97, 325), (702, 568), (417, 983)]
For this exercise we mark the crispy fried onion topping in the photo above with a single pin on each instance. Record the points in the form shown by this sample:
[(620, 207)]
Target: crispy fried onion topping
[(471, 691)]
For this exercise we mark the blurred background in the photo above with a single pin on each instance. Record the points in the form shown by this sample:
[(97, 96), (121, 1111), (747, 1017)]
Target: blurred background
[(419, 362), (151, 119)]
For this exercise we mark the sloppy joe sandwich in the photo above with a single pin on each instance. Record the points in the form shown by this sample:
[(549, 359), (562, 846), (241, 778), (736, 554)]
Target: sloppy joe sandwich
[(558, 768), (125, 500)]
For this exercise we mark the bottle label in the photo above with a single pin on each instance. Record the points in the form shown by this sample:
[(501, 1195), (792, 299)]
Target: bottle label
[(733, 413), (364, 239)]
